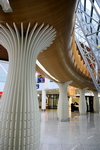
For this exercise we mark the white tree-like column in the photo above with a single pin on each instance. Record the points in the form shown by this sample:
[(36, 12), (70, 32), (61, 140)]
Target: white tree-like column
[(20, 118), (43, 100), (96, 102), (82, 101), (63, 108)]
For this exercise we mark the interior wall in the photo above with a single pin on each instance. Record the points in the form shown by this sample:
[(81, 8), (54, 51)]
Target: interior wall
[(75, 99)]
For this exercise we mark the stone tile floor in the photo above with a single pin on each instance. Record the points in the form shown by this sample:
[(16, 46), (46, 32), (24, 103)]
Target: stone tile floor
[(81, 132)]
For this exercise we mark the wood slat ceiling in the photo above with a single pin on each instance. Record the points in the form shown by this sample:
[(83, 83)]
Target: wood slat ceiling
[(58, 59)]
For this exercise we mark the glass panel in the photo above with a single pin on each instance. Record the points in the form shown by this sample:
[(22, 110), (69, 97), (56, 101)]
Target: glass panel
[(82, 5), (88, 7), (98, 2), (95, 15), (96, 5), (82, 1)]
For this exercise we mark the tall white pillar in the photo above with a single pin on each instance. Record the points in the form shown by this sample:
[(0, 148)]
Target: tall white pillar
[(82, 102), (43, 100), (96, 102), (20, 118), (47, 83), (88, 106), (63, 109)]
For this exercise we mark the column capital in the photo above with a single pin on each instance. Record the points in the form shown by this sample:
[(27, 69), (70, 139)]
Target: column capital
[(83, 89), (64, 84)]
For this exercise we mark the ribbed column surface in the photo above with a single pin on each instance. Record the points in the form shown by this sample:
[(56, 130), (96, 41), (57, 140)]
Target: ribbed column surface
[(20, 118), (82, 101), (63, 111), (96, 101)]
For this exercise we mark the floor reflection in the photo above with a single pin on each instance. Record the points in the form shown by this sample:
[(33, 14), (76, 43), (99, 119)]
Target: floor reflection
[(81, 132), (90, 120)]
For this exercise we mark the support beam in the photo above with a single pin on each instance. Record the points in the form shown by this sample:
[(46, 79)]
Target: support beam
[(96, 102), (82, 101), (43, 100), (63, 109)]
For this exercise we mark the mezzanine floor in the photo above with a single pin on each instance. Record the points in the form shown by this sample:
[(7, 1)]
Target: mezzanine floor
[(81, 132)]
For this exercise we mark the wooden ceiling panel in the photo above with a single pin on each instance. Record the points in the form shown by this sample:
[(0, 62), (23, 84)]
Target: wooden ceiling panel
[(3, 53), (57, 59)]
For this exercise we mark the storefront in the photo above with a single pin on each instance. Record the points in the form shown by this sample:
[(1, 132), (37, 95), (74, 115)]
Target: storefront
[(51, 101)]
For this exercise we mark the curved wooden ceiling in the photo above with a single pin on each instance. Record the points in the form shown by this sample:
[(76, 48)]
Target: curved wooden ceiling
[(60, 59)]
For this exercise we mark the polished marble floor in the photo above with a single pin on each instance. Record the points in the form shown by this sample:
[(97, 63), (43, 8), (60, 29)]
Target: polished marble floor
[(81, 132)]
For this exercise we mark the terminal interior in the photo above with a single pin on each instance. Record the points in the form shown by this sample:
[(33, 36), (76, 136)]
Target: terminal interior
[(50, 75)]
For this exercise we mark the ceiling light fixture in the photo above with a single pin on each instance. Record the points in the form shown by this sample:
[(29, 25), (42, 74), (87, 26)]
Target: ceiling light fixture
[(39, 64), (6, 6)]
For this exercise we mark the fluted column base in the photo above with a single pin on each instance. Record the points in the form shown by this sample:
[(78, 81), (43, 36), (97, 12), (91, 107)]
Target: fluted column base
[(96, 102), (63, 108), (82, 102)]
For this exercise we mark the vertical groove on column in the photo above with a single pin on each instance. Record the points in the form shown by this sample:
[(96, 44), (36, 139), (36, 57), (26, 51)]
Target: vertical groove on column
[(82, 101), (63, 109), (96, 102), (20, 118)]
